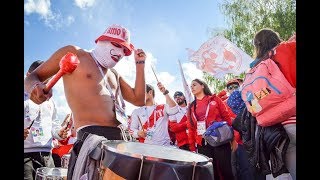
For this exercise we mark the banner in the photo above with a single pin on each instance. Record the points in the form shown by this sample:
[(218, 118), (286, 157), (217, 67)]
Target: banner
[(219, 56)]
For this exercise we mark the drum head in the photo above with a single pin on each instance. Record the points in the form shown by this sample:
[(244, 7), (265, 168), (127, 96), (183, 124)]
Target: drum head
[(45, 173), (154, 152)]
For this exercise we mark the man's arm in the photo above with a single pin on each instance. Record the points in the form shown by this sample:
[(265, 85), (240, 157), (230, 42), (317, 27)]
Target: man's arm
[(136, 95), (165, 92), (135, 125), (33, 83)]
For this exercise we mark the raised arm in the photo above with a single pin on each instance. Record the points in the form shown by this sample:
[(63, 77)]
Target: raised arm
[(165, 92), (33, 83), (136, 95)]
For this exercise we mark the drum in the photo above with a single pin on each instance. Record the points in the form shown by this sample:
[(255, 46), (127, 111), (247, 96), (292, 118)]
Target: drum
[(65, 160), (138, 161), (46, 173)]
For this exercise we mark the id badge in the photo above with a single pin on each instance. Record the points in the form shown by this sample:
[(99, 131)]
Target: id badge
[(121, 116), (150, 133), (37, 134), (201, 127)]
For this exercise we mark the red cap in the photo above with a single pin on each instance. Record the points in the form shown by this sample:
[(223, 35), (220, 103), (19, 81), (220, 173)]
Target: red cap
[(232, 81), (118, 34)]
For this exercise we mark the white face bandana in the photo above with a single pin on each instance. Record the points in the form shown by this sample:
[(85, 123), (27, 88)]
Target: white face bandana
[(107, 54)]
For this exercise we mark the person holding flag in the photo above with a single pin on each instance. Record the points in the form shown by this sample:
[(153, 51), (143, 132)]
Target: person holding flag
[(178, 122), (149, 123)]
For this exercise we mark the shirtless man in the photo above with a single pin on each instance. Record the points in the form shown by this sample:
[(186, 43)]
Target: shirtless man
[(86, 89)]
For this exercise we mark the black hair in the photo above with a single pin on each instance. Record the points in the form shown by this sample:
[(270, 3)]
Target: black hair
[(264, 41), (34, 65), (148, 88)]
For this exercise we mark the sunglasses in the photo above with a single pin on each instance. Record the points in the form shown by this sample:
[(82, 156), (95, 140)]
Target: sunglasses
[(231, 87)]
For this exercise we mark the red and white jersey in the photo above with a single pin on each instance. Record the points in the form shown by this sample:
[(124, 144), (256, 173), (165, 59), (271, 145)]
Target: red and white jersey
[(179, 115), (154, 119), (178, 125)]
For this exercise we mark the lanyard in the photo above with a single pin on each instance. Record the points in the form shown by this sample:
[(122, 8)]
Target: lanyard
[(27, 110), (206, 116), (107, 84)]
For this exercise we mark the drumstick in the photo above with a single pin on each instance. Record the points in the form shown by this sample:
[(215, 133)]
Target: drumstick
[(154, 74), (68, 64), (68, 120), (140, 122), (31, 124), (34, 120)]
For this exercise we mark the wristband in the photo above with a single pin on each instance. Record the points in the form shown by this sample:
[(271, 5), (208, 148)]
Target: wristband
[(166, 92), (139, 62)]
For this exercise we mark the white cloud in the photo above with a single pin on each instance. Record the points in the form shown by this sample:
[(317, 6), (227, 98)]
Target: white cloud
[(42, 7), (60, 100), (53, 20), (83, 4), (27, 23)]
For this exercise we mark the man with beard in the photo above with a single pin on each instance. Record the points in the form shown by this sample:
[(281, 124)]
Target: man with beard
[(178, 122), (94, 91)]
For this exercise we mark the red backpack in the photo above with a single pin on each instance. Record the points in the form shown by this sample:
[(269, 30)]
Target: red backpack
[(267, 93), (285, 57)]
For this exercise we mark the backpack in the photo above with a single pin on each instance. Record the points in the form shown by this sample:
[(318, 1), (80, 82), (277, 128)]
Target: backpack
[(218, 133), (285, 57), (267, 94)]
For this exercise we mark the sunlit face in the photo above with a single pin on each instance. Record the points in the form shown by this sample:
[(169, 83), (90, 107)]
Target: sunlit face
[(125, 50), (149, 95), (117, 51), (196, 88), (179, 99)]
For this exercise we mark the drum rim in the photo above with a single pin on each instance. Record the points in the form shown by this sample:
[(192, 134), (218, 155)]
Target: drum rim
[(41, 173), (150, 158)]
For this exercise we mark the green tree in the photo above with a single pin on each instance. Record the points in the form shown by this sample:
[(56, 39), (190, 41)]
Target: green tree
[(246, 17)]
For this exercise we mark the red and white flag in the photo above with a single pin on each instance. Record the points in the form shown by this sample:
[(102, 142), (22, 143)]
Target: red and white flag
[(187, 91), (219, 56)]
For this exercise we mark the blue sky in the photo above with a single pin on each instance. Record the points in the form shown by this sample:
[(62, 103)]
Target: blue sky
[(163, 28)]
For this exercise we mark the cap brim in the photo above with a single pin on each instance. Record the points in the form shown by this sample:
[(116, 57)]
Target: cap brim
[(128, 46)]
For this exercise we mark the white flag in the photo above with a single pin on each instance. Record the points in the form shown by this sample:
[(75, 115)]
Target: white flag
[(187, 92), (219, 56)]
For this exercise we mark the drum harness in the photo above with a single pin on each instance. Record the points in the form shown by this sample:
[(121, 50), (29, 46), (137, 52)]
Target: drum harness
[(124, 131)]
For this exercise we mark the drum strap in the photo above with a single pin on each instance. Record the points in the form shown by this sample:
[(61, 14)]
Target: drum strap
[(35, 161)]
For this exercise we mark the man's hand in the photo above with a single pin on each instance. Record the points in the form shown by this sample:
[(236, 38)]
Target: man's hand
[(139, 56), (37, 94), (161, 87), (26, 133), (63, 133), (142, 133)]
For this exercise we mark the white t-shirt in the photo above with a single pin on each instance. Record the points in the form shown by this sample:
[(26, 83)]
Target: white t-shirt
[(157, 130), (45, 126)]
